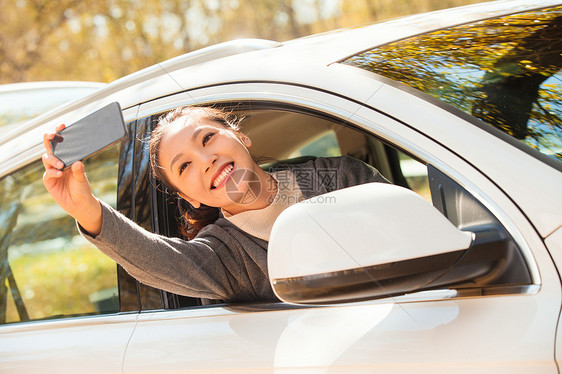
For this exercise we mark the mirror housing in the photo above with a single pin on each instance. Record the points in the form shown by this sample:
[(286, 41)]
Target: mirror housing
[(369, 241)]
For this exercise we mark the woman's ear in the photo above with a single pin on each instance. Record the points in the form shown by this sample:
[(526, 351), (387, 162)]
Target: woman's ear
[(245, 140), (194, 203)]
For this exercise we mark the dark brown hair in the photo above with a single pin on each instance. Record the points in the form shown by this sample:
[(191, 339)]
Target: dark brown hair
[(191, 220)]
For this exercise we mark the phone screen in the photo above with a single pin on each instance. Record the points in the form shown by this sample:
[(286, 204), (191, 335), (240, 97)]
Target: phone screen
[(89, 135)]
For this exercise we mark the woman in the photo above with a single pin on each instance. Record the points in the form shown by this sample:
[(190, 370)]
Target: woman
[(204, 158)]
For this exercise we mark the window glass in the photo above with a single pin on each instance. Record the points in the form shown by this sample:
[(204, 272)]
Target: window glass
[(415, 174), (505, 71), (324, 145), (47, 270)]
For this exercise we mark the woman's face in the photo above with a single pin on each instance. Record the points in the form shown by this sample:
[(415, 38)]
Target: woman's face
[(199, 156)]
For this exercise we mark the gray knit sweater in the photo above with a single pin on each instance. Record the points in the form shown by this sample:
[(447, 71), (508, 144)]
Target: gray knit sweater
[(222, 261)]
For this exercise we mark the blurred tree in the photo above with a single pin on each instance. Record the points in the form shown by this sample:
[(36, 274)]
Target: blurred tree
[(107, 39)]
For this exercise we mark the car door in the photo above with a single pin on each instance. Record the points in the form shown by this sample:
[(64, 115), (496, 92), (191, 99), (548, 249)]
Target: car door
[(64, 306), (500, 327)]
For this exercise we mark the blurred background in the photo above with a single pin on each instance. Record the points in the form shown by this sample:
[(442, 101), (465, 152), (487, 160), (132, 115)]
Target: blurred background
[(103, 40)]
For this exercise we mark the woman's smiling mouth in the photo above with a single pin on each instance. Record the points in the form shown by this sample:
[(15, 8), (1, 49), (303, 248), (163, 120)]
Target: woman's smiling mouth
[(222, 175)]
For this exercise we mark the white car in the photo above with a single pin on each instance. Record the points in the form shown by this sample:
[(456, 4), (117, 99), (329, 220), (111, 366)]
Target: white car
[(454, 268)]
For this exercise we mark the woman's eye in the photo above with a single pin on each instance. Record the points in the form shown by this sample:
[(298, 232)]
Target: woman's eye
[(207, 137), (182, 167)]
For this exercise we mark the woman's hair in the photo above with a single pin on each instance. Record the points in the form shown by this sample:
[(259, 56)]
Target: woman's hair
[(191, 219)]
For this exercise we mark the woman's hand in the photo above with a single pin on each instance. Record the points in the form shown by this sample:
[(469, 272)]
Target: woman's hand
[(70, 189)]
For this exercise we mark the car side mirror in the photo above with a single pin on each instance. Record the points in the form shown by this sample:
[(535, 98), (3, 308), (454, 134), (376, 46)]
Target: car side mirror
[(369, 241)]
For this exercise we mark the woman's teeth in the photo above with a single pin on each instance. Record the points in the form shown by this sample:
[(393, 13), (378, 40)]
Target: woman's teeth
[(222, 176)]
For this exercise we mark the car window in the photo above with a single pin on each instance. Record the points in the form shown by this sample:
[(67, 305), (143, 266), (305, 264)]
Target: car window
[(280, 135), (415, 174), (324, 145), (504, 71), (47, 270)]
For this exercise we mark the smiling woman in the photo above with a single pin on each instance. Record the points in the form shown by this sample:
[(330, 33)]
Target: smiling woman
[(195, 151), (232, 203)]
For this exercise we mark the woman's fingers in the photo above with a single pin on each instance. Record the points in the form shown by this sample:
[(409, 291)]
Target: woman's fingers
[(50, 161), (52, 178), (47, 142), (78, 172), (52, 174), (47, 137)]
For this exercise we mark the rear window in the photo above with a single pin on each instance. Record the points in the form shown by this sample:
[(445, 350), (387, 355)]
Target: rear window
[(505, 71)]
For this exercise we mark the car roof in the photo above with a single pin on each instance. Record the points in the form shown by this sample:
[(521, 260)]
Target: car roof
[(176, 75), (24, 86), (19, 102)]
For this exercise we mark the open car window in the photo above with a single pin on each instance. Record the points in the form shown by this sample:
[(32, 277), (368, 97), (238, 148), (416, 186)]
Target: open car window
[(280, 135)]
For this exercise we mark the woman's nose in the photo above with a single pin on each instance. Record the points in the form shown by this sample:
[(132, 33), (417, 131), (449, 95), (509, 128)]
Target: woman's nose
[(207, 161)]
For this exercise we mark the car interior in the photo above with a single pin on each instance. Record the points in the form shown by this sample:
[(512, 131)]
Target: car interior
[(299, 132)]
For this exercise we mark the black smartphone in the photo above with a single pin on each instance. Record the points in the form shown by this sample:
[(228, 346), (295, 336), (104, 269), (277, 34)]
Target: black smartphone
[(89, 135)]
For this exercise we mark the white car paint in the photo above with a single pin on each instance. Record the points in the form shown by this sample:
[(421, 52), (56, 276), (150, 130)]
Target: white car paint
[(347, 215), (434, 331), (94, 344)]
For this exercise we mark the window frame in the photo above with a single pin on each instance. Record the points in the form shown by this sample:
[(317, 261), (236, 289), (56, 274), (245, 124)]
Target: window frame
[(163, 212), (314, 99)]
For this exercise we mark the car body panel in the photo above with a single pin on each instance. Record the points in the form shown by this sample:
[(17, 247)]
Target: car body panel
[(386, 335), (93, 344), (554, 244)]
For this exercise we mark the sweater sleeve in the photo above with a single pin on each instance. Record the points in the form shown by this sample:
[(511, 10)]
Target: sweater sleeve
[(205, 267)]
